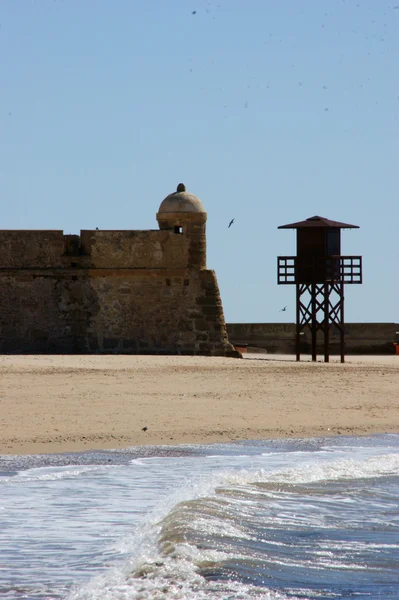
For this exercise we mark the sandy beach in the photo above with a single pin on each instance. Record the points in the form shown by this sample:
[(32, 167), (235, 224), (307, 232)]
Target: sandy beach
[(53, 404)]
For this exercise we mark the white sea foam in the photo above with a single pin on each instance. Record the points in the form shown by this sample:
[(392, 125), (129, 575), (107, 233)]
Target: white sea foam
[(52, 473), (313, 471)]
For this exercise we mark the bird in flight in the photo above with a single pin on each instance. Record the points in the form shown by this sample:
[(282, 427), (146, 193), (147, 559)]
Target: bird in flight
[(231, 223), (283, 309)]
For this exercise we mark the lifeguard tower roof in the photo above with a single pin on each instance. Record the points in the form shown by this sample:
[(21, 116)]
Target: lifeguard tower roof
[(317, 221)]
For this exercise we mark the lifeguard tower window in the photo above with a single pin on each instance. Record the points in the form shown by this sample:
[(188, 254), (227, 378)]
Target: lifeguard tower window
[(178, 229), (333, 242)]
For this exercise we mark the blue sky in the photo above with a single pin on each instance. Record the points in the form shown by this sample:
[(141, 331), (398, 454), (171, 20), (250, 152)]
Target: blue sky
[(271, 111)]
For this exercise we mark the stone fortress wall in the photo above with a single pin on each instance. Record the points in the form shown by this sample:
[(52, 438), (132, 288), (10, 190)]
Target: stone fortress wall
[(113, 291), (279, 338)]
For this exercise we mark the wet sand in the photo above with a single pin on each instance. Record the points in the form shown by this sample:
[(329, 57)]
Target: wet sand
[(52, 404)]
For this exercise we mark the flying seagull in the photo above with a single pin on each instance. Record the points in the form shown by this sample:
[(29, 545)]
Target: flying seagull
[(231, 223), (283, 309)]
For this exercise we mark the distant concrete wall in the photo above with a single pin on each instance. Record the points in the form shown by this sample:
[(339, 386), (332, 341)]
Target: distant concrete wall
[(275, 337), (360, 338)]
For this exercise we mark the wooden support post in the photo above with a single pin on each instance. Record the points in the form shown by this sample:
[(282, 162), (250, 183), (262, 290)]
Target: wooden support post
[(314, 323), (298, 323), (341, 304), (326, 328)]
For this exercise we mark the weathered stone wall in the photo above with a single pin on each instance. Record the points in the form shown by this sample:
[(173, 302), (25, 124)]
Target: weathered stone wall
[(192, 225), (360, 338), (44, 311), (31, 248), (135, 249), (176, 311), (98, 249), (110, 291), (170, 311)]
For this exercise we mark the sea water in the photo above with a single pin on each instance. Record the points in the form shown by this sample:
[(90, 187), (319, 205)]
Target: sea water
[(316, 518)]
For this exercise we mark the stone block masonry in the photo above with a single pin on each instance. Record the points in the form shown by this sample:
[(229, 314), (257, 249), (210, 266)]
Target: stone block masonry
[(131, 292)]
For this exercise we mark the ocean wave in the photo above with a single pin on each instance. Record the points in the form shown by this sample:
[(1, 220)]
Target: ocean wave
[(52, 473)]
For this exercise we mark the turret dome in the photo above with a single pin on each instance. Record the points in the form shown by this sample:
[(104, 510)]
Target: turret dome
[(181, 201)]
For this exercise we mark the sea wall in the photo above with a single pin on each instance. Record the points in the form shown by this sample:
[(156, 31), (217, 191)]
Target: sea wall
[(360, 338)]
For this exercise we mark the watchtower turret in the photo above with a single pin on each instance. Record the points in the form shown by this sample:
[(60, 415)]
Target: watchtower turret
[(184, 213)]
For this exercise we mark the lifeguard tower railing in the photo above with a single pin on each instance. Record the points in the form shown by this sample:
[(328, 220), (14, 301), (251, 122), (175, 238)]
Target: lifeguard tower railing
[(332, 269)]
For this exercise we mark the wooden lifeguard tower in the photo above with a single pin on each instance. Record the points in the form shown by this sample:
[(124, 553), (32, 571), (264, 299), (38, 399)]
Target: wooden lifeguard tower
[(319, 272)]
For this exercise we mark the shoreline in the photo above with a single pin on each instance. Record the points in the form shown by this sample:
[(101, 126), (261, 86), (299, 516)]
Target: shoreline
[(61, 404)]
